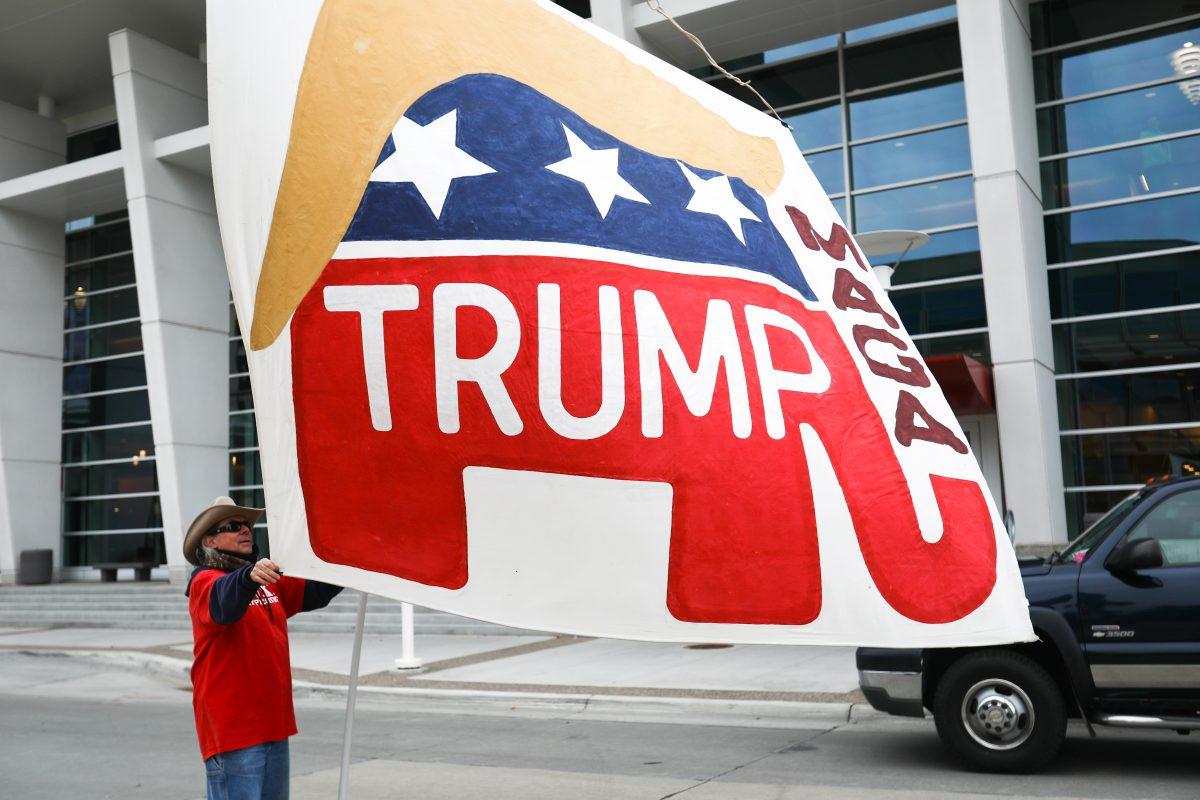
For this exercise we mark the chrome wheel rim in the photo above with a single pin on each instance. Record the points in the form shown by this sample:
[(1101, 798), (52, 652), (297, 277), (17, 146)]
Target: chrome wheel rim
[(998, 714)]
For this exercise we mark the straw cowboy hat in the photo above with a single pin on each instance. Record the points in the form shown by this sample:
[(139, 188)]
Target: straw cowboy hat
[(206, 521)]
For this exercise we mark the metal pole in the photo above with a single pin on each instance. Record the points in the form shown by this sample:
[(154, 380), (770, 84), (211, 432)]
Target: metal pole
[(351, 695), (408, 657)]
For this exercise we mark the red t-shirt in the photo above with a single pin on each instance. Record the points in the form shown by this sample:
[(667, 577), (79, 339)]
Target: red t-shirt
[(242, 675)]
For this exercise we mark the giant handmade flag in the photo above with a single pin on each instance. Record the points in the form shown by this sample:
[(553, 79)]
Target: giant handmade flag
[(545, 332)]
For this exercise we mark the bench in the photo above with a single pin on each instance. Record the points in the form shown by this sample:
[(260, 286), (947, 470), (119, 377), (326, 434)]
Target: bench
[(141, 570)]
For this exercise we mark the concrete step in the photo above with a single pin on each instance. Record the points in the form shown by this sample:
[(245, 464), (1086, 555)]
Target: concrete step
[(160, 605), (295, 625)]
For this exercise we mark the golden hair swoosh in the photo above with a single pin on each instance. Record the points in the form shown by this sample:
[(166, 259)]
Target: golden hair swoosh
[(369, 60)]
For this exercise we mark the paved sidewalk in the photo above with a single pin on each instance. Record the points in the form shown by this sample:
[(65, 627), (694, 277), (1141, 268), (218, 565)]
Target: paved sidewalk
[(529, 664)]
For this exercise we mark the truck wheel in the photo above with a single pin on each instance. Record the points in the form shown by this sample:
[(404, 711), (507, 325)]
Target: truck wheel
[(1000, 711)]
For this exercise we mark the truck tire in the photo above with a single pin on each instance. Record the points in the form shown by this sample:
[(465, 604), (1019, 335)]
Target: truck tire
[(1000, 711)]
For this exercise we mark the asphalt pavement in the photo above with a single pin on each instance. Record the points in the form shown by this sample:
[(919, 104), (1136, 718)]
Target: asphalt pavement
[(76, 726)]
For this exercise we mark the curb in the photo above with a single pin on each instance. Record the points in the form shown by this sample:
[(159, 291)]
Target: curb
[(163, 665), (551, 705), (603, 707)]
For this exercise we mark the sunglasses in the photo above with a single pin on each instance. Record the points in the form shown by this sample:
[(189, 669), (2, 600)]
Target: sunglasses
[(231, 527)]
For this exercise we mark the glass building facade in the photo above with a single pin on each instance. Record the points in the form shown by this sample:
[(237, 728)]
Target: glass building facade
[(881, 118), (880, 113), (111, 509), (1118, 117), (245, 469)]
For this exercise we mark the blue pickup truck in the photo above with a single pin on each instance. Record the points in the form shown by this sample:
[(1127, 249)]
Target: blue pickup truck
[(1117, 615)]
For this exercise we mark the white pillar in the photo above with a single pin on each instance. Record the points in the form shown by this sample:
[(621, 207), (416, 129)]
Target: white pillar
[(31, 292), (998, 78), (616, 17), (182, 288), (408, 650)]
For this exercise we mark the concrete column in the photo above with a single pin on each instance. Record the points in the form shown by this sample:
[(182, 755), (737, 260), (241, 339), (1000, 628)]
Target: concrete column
[(998, 77), (31, 292), (182, 288), (616, 17)]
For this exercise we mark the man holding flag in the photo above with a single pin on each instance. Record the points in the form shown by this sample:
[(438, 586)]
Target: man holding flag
[(239, 605)]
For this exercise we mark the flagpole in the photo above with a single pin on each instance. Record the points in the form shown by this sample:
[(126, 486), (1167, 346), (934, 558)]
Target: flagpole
[(351, 695)]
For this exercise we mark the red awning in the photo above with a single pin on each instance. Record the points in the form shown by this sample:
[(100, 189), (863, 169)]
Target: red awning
[(966, 382)]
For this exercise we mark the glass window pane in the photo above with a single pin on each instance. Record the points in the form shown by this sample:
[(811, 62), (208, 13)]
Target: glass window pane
[(908, 158), (896, 59), (789, 83), (1172, 523), (1123, 117), (120, 373), (93, 142), (974, 345), (816, 126), (245, 469), (1141, 341), (237, 357), (1086, 508), (81, 223), (242, 432), (1115, 401), (935, 309), (106, 409), (240, 396), (930, 205), (1129, 172), (1115, 459), (101, 240), (800, 49), (110, 443), (250, 498), (95, 275), (83, 551), (94, 309), (732, 65), (904, 108), (902, 24), (1111, 64), (110, 478), (839, 205), (261, 539), (828, 169), (1170, 280), (97, 342), (581, 8), (1119, 230), (946, 255), (1057, 23)]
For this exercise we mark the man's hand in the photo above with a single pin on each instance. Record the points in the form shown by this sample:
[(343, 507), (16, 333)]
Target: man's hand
[(265, 572)]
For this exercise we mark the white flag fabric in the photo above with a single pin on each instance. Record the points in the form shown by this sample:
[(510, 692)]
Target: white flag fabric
[(545, 332)]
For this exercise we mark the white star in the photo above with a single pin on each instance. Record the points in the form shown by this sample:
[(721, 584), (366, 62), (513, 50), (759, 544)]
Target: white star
[(427, 157), (715, 196), (597, 171)]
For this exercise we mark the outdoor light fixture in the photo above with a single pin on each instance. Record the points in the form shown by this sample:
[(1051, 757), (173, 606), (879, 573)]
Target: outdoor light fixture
[(879, 243), (80, 300), (1186, 62)]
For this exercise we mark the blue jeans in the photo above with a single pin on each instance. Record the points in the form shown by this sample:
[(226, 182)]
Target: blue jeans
[(252, 773)]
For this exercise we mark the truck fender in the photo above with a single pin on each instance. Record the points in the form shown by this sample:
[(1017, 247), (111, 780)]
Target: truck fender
[(1053, 629)]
